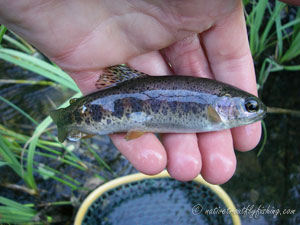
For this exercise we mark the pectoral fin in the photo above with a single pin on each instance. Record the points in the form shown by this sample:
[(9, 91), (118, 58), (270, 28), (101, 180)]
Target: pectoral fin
[(115, 75), (213, 115), (133, 135)]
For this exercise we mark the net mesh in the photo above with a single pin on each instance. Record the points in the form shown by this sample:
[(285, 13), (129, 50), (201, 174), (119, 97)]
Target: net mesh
[(157, 201)]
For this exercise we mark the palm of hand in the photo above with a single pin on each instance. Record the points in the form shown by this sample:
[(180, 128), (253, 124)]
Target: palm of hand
[(84, 38)]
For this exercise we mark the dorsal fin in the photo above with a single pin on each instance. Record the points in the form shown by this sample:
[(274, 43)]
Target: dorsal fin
[(115, 75)]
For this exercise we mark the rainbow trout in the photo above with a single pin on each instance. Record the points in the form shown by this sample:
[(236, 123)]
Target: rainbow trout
[(133, 102)]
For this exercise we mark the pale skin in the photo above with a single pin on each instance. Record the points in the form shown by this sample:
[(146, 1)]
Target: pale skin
[(199, 38)]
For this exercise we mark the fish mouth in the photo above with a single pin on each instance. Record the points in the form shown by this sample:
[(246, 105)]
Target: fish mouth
[(263, 111), (261, 116)]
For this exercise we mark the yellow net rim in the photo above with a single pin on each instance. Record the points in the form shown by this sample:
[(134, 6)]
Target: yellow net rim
[(93, 196)]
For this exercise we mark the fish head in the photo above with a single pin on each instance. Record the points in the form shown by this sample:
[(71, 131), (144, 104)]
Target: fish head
[(239, 108)]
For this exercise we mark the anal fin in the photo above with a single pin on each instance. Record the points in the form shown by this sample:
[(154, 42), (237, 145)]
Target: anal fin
[(88, 136), (131, 135)]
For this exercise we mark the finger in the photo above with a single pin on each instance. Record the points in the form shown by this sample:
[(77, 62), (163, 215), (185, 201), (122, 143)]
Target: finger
[(187, 58), (184, 159), (151, 63), (146, 153), (218, 158), (231, 62), (191, 51)]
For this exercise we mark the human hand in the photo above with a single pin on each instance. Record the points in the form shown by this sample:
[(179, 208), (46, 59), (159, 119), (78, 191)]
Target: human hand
[(199, 38)]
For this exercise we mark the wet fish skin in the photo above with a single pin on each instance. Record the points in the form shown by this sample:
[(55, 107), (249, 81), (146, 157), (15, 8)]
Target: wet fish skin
[(165, 104)]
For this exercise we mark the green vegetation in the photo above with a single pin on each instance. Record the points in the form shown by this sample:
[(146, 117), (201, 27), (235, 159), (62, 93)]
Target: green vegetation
[(13, 212), (18, 150), (275, 46)]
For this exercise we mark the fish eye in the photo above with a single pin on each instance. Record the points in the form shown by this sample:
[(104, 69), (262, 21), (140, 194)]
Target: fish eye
[(251, 105)]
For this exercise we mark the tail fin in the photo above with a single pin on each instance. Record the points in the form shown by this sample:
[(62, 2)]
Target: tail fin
[(56, 117)]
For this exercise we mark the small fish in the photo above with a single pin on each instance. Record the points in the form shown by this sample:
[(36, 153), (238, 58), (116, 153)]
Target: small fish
[(133, 102)]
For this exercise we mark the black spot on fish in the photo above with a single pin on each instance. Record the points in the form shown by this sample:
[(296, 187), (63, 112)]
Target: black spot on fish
[(173, 106), (136, 104), (155, 105), (87, 121), (108, 121), (69, 118), (118, 109), (195, 109), (127, 115), (164, 110), (185, 107), (77, 117), (96, 112)]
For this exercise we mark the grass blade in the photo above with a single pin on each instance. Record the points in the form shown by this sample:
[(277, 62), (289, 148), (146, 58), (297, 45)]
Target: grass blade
[(255, 20), (296, 26), (19, 110), (101, 162), (15, 205), (9, 157), (34, 140), (294, 23), (42, 172), (38, 66), (30, 82), (2, 32), (276, 13), (279, 37), (25, 43), (293, 51), (292, 68), (265, 138), (3, 163), (17, 44), (13, 212)]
